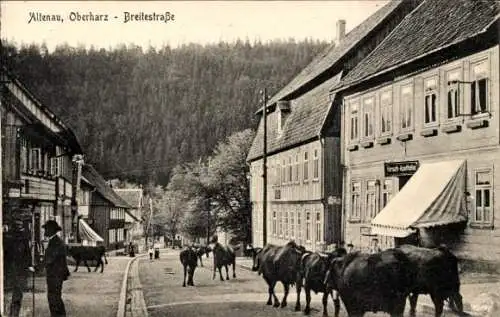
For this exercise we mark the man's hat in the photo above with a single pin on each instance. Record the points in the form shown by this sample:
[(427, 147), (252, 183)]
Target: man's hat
[(52, 224)]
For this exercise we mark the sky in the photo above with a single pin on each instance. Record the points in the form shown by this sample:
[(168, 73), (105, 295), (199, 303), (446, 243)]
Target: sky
[(188, 21)]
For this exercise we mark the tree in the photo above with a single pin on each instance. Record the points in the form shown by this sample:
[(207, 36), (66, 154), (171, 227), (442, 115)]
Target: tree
[(170, 211), (229, 186)]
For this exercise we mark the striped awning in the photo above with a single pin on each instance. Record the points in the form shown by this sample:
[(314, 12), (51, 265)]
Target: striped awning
[(434, 196), (87, 233)]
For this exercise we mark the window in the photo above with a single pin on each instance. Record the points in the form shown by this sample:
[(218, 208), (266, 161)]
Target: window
[(483, 213), (386, 192), (453, 104), (274, 223), (386, 112), (319, 236), (306, 167), (354, 121), (406, 110), (54, 168), (24, 159), (290, 178), (368, 112), (316, 165), (308, 226), (292, 224), (35, 159), (280, 224), (430, 100), (296, 176), (371, 201), (355, 201), (283, 173), (286, 223), (278, 173), (479, 88), (111, 235), (299, 225)]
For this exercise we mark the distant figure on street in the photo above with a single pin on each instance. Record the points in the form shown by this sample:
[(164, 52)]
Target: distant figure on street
[(131, 250), (150, 251), (18, 255), (56, 267)]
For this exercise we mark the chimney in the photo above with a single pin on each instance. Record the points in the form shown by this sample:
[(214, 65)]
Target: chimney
[(340, 31)]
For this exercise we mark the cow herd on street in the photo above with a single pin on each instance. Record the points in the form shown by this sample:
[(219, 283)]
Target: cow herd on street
[(377, 282)]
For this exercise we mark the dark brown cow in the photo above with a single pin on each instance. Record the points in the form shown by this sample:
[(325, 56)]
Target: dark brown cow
[(312, 274), (437, 275), (378, 282), (87, 253), (279, 264), (189, 261), (200, 251), (223, 256)]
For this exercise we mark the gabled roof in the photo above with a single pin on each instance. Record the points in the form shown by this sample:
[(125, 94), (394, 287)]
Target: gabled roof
[(65, 133), (432, 26), (334, 53), (304, 121), (89, 172), (132, 196), (309, 110)]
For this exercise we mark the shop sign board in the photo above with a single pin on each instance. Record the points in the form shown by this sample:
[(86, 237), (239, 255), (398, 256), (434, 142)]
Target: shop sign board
[(400, 168)]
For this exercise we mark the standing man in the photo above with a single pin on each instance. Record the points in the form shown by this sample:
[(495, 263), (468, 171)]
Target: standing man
[(19, 256), (57, 269)]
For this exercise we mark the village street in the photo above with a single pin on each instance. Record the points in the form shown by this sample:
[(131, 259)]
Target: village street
[(244, 296)]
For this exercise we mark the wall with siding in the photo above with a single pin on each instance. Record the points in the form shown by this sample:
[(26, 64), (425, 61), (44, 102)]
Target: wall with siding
[(296, 196)]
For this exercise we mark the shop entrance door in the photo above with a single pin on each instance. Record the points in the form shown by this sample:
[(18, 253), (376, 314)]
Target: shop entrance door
[(403, 180)]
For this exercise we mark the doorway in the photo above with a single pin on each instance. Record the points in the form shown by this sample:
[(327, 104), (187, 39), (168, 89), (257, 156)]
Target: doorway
[(403, 180)]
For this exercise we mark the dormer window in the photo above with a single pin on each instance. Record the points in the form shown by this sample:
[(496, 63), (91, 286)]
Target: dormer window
[(284, 110)]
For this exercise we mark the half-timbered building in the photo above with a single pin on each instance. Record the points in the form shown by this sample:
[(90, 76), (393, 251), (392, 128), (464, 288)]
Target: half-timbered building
[(38, 158)]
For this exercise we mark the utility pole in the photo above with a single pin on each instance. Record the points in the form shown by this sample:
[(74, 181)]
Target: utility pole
[(264, 170), (1, 217), (149, 220)]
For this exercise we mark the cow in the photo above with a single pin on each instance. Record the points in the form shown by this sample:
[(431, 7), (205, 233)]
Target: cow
[(437, 275), (313, 268), (201, 250), (223, 256), (88, 253), (278, 264), (378, 282), (255, 257), (189, 261)]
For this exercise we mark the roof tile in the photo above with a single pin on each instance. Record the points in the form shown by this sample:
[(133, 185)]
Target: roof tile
[(431, 26), (90, 173)]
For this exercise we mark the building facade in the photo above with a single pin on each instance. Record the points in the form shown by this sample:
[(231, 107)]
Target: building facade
[(303, 141), (421, 134), (106, 215), (37, 163), (134, 228)]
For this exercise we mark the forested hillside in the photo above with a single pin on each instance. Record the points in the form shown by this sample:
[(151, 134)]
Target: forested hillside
[(139, 112)]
